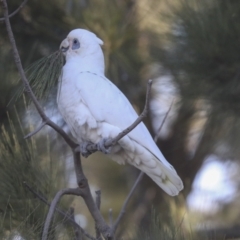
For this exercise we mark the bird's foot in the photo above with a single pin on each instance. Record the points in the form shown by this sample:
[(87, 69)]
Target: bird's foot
[(101, 146), (83, 148)]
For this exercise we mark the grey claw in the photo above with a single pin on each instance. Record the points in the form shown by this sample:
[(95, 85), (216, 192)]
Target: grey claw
[(101, 146), (83, 149)]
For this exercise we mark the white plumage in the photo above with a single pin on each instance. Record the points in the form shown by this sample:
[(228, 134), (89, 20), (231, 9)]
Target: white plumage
[(94, 109)]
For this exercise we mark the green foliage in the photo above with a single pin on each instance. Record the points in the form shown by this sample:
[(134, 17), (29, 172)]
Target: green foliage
[(21, 161), (160, 229), (202, 54), (42, 76), (38, 29), (204, 50)]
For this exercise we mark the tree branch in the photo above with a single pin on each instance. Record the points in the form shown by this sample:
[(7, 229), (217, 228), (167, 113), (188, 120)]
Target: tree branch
[(98, 203), (163, 121), (78, 233), (140, 176), (83, 189), (110, 217), (26, 83), (138, 120), (111, 142), (69, 191), (35, 131), (83, 184), (16, 11), (63, 213), (82, 181), (88, 199), (123, 209)]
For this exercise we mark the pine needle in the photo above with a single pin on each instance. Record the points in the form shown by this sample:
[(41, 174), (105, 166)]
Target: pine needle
[(42, 76)]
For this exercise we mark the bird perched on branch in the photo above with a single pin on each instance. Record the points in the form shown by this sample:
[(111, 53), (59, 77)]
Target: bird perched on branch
[(96, 110)]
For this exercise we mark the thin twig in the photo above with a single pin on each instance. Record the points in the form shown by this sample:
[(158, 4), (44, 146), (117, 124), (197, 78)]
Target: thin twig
[(123, 209), (138, 120), (83, 189), (68, 191), (16, 11), (163, 121), (111, 142), (140, 176), (98, 203), (78, 233), (98, 198), (82, 181), (110, 217), (26, 83), (35, 131), (87, 197), (63, 213)]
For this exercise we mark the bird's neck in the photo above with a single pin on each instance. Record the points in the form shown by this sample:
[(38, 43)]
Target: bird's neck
[(89, 63)]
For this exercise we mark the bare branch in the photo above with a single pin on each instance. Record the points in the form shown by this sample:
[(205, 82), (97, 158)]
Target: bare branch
[(26, 83), (87, 196), (36, 130), (140, 176), (98, 198), (94, 210), (111, 142), (78, 233), (83, 186), (98, 203), (110, 217), (16, 11), (123, 209), (63, 213), (163, 121), (138, 120), (68, 191)]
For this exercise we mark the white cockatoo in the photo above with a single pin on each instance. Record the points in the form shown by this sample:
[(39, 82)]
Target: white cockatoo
[(95, 109)]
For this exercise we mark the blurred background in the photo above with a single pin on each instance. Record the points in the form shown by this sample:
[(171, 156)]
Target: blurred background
[(191, 49)]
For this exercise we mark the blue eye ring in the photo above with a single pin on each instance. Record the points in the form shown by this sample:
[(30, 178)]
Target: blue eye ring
[(76, 44)]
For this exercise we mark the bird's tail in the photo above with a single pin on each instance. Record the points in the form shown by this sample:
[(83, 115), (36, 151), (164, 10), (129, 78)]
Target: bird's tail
[(160, 171), (163, 175)]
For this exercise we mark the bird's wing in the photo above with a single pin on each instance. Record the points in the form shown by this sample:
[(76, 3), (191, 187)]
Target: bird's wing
[(108, 104), (110, 107)]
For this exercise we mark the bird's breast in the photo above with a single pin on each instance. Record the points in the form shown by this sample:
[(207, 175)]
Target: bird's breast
[(76, 113)]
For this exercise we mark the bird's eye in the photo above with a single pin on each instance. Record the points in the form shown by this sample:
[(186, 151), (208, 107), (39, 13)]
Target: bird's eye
[(76, 44)]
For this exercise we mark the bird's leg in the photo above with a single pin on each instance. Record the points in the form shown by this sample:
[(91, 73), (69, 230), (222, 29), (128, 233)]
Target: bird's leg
[(101, 146), (83, 149)]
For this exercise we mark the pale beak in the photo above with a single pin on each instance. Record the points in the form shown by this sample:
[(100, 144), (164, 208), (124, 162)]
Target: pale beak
[(64, 45)]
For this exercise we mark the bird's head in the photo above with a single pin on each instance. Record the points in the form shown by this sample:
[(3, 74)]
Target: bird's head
[(80, 42)]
